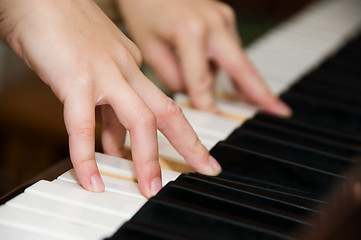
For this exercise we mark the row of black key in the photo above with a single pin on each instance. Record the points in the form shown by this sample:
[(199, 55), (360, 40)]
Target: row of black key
[(275, 170)]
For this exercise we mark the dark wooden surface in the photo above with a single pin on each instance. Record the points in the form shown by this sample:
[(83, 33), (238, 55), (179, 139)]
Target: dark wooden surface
[(32, 132), (49, 174)]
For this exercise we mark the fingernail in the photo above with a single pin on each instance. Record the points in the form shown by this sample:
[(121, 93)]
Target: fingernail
[(97, 183), (283, 109), (155, 186), (216, 168)]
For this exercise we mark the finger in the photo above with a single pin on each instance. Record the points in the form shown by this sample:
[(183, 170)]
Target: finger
[(80, 124), (192, 50), (229, 56), (113, 133), (140, 122), (160, 57), (230, 17), (173, 124)]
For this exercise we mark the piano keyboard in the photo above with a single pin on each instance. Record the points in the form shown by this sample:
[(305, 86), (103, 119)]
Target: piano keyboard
[(275, 170)]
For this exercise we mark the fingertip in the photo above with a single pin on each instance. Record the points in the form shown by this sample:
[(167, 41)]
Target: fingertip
[(151, 188), (212, 168), (204, 102), (96, 183), (281, 108), (155, 186), (216, 167)]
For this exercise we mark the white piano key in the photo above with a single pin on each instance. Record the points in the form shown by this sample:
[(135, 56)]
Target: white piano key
[(15, 233), (107, 202), (123, 167), (214, 126), (112, 184), (169, 175), (224, 83), (200, 118), (167, 151), (239, 109), (67, 211), (324, 16), (46, 225), (303, 40), (274, 51), (118, 185), (276, 86), (299, 29), (282, 68)]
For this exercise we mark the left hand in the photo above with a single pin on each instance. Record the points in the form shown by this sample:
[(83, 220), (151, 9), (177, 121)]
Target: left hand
[(182, 40)]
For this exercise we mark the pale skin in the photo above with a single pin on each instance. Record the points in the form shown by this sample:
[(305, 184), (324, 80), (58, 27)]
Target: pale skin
[(88, 62), (199, 32)]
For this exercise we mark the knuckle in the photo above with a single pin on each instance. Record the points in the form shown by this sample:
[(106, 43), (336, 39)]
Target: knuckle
[(132, 54), (172, 110), (137, 54), (215, 17), (194, 27), (85, 161), (228, 13), (221, 16), (125, 55), (84, 130)]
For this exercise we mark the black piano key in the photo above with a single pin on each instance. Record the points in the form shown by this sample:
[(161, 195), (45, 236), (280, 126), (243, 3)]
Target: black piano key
[(134, 231), (287, 150), (193, 222), (348, 56), (328, 92), (341, 137), (343, 81), (354, 45), (229, 206), (347, 65), (304, 138), (238, 163), (320, 111), (245, 194), (295, 198)]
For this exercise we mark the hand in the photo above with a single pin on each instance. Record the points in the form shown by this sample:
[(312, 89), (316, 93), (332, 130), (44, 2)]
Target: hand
[(182, 40), (88, 62)]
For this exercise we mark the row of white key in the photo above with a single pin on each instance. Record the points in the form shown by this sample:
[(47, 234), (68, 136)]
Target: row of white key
[(299, 45), (62, 209)]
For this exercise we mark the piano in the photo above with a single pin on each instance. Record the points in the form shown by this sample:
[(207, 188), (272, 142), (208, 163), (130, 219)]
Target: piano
[(282, 178)]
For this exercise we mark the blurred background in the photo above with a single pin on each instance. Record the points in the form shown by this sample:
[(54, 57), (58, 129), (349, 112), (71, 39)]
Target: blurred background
[(32, 131)]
